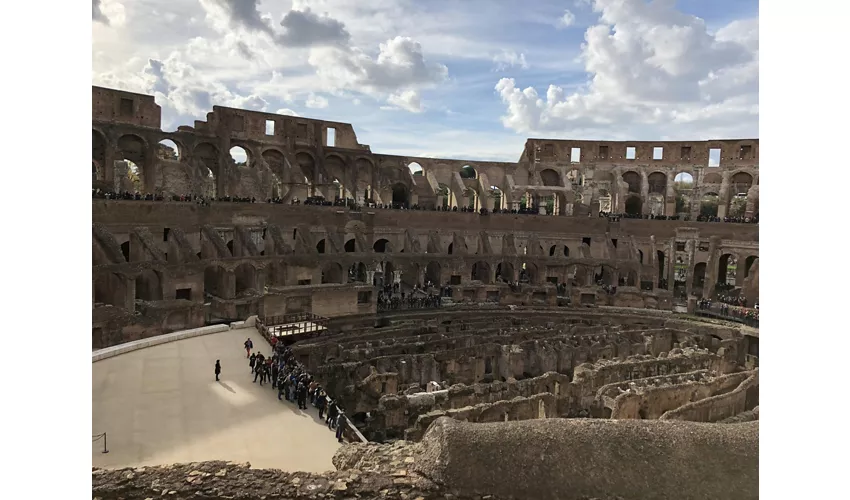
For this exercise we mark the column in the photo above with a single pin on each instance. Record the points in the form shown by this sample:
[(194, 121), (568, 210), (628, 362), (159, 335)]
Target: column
[(690, 248), (670, 196), (370, 277), (723, 204), (671, 263), (711, 267), (644, 192)]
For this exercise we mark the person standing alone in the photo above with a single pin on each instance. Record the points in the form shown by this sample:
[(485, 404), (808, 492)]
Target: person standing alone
[(217, 369), (248, 346)]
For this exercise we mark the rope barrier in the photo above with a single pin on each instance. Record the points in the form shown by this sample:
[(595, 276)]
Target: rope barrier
[(97, 437)]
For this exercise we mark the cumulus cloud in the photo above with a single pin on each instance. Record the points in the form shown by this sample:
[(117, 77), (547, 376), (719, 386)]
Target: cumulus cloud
[(286, 111), (244, 14), (306, 29), (400, 63), (566, 20), (649, 64), (316, 102), (97, 13), (408, 100), (509, 59)]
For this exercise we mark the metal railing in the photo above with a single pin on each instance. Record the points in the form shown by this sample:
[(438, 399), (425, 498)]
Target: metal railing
[(98, 437)]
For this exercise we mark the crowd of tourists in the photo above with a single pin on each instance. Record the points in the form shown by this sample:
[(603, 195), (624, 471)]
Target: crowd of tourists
[(700, 218), (294, 385), (734, 307)]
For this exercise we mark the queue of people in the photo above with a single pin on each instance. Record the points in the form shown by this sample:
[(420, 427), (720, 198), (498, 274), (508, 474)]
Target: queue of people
[(293, 384), (700, 218)]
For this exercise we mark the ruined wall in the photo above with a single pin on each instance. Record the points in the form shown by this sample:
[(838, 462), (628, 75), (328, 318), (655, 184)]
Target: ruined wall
[(716, 408), (467, 461)]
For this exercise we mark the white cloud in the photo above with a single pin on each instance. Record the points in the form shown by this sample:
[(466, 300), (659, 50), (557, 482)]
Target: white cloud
[(316, 102), (509, 59), (566, 20), (652, 69), (286, 111), (306, 29), (408, 100)]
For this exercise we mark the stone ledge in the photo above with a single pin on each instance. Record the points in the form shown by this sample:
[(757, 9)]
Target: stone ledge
[(126, 347)]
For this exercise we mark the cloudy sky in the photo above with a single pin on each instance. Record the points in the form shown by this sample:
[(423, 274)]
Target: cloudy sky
[(449, 78)]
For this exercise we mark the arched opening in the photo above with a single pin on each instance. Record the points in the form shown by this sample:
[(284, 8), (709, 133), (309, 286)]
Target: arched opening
[(699, 279), (657, 183), (481, 272), (133, 150), (528, 274), (683, 184), (708, 204), (606, 202), (741, 184), (246, 278), (553, 250), (432, 273), (727, 268), (357, 273), (381, 246), (631, 278), (550, 178), (125, 250), (109, 289), (214, 282), (450, 248), (467, 172), (566, 251), (640, 256), (239, 156), (98, 155), (387, 272), (206, 156), (633, 180), (634, 205), (306, 164), (498, 199), (661, 262), (230, 247), (167, 150), (471, 197), (149, 286), (401, 195), (416, 169), (332, 273), (350, 246), (320, 246), (446, 195), (505, 272), (748, 263)]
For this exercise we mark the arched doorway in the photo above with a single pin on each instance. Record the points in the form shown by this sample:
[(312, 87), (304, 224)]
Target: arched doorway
[(332, 273), (708, 204), (381, 246), (401, 196), (481, 272), (505, 272), (634, 205), (432, 273)]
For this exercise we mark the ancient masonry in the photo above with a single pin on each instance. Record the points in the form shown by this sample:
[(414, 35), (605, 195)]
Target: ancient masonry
[(532, 359)]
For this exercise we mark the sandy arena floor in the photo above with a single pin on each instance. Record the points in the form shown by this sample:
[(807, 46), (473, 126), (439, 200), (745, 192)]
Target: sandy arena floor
[(162, 405)]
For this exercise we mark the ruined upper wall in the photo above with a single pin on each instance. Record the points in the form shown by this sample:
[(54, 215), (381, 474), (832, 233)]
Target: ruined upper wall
[(117, 106), (733, 152)]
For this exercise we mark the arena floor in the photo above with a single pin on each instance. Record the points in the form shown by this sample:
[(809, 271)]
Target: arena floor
[(162, 405)]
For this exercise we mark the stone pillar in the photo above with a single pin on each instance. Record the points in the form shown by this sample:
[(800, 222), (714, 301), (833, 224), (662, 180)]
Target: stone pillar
[(723, 203), (740, 272), (370, 277), (671, 263), (690, 248), (129, 293), (670, 196), (644, 192), (752, 200), (396, 277), (711, 267)]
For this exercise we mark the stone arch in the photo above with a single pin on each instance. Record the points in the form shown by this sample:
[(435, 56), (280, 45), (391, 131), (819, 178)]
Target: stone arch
[(711, 178), (357, 273), (699, 278), (748, 263), (566, 251), (109, 289), (447, 196), (98, 155), (633, 180), (505, 272), (726, 269), (661, 262), (246, 278), (216, 282), (306, 163), (741, 182), (433, 273), (550, 177), (575, 177), (207, 158), (529, 272), (708, 204), (149, 285), (415, 168), (276, 161), (481, 272), (657, 183), (631, 278), (350, 246), (498, 197), (401, 195), (332, 273), (320, 246), (381, 246), (169, 149), (634, 205), (125, 250), (241, 156), (134, 149)]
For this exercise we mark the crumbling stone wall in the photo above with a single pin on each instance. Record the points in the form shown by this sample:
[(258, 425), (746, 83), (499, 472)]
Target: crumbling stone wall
[(722, 406), (466, 461)]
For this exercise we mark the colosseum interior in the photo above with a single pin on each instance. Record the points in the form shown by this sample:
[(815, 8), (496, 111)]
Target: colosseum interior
[(545, 301)]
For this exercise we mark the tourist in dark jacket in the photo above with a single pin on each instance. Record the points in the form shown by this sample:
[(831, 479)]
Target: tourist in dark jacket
[(217, 369)]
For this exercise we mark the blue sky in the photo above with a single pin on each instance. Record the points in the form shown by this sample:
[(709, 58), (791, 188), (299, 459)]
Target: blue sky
[(466, 79)]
